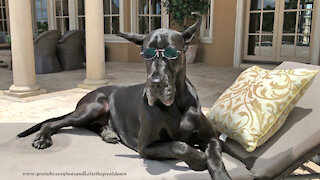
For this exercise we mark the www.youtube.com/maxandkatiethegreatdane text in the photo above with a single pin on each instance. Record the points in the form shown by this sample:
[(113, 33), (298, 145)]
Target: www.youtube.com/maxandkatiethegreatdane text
[(84, 173)]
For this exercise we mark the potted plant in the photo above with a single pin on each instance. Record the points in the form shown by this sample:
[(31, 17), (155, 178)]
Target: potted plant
[(181, 12)]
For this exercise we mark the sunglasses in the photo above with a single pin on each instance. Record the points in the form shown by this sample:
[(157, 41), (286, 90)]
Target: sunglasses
[(168, 53)]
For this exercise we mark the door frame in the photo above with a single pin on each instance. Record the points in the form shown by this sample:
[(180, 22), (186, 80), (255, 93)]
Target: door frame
[(274, 34), (279, 40), (239, 33)]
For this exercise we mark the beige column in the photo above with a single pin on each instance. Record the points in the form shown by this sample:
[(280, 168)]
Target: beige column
[(315, 52), (237, 57), (95, 65), (50, 13), (24, 76), (72, 14)]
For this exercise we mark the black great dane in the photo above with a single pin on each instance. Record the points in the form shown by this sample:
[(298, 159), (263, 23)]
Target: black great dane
[(160, 119)]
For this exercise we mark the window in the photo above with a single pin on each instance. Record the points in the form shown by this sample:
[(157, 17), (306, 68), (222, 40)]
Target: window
[(111, 14), (40, 16), (61, 15), (148, 15), (277, 31), (206, 25), (4, 23), (80, 15)]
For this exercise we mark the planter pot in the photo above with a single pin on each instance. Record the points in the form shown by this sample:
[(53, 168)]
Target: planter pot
[(191, 53)]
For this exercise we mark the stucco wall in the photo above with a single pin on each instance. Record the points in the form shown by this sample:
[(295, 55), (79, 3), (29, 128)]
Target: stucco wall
[(124, 52), (217, 53), (117, 52), (220, 51)]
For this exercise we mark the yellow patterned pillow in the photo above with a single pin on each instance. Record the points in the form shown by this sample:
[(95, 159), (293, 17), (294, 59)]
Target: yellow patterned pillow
[(252, 109)]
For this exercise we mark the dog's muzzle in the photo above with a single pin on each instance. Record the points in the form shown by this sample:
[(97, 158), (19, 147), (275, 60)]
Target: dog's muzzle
[(158, 89)]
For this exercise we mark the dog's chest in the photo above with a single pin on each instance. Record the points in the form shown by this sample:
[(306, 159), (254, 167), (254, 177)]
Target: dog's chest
[(179, 129), (173, 131)]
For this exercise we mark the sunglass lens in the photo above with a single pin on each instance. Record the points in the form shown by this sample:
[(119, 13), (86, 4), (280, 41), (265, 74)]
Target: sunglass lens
[(149, 53), (171, 53)]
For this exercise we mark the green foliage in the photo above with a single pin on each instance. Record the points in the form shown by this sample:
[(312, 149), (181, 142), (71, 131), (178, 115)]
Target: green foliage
[(182, 9), (42, 27), (8, 40)]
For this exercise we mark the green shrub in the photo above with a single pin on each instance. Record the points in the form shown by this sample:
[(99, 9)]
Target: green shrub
[(182, 9)]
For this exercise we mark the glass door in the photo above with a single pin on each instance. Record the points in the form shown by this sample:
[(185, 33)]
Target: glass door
[(40, 16), (261, 30), (61, 15), (295, 33), (279, 30)]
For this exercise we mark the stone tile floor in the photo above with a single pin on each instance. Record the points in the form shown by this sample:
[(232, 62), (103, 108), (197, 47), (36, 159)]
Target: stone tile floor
[(63, 95)]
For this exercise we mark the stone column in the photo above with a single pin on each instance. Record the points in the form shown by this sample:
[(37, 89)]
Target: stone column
[(24, 76), (72, 14), (315, 51), (50, 13), (95, 65), (237, 57)]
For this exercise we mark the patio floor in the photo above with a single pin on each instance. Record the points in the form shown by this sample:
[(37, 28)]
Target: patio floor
[(209, 81), (63, 93)]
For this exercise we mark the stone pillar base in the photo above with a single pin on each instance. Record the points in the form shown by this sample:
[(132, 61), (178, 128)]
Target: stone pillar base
[(93, 84), (24, 94)]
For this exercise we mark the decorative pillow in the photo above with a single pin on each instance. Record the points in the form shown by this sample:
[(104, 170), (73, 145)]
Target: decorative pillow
[(252, 109)]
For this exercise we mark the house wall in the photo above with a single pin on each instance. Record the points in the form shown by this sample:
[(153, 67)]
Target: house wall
[(220, 51), (124, 51), (217, 53), (117, 52)]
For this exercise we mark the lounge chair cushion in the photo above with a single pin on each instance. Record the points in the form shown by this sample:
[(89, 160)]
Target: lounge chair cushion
[(299, 135), (257, 104), (79, 150)]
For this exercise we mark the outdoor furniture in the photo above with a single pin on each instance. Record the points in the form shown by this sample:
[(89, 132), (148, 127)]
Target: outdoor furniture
[(3, 38), (6, 58), (70, 50), (5, 52), (297, 141), (3, 41), (46, 60), (78, 150)]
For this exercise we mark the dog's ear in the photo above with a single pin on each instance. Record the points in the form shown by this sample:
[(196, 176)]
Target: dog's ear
[(135, 38), (189, 33)]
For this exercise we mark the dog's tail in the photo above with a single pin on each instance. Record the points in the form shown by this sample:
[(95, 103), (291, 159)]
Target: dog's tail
[(37, 127)]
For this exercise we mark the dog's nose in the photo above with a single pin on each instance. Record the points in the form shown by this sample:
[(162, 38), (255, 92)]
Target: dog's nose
[(155, 83)]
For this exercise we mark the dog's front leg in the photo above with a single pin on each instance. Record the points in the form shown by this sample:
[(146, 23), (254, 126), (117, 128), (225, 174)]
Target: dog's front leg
[(212, 146), (196, 160), (215, 164)]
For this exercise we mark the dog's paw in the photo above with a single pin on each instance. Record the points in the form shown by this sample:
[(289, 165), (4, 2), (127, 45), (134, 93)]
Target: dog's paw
[(198, 162), (42, 141), (220, 175), (109, 136)]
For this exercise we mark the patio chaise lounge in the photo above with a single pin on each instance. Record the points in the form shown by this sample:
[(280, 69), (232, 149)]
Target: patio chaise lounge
[(80, 151)]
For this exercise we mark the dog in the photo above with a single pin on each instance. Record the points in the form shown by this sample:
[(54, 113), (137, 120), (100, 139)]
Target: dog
[(160, 119)]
